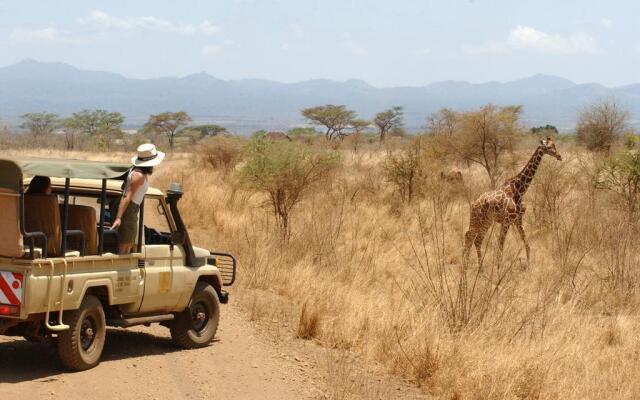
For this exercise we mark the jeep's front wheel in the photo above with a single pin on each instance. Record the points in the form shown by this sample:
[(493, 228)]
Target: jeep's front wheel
[(196, 326), (80, 347)]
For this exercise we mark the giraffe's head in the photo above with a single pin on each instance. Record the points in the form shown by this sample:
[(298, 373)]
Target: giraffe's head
[(549, 147)]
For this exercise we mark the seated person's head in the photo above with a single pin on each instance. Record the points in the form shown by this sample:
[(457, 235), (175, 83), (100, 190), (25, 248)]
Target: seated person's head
[(39, 185)]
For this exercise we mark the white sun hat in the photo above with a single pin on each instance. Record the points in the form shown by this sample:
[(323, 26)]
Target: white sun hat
[(148, 156)]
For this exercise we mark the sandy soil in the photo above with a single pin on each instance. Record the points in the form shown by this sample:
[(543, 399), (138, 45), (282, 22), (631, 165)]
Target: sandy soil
[(142, 363), (245, 362)]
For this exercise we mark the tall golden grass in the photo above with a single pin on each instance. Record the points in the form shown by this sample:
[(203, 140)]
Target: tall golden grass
[(366, 273)]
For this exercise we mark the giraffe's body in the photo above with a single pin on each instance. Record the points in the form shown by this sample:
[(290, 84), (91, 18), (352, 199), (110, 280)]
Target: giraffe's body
[(505, 205)]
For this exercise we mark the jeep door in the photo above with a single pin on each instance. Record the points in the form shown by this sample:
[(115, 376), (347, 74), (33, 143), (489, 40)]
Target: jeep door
[(163, 261)]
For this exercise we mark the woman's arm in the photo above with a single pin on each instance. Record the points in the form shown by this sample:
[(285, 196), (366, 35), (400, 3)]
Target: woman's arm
[(137, 179)]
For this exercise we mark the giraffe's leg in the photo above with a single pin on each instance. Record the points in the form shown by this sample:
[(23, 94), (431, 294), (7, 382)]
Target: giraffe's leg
[(524, 240), (469, 237), (504, 228), (478, 243)]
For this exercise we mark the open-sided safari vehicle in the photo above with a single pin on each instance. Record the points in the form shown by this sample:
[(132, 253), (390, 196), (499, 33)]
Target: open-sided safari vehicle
[(61, 278)]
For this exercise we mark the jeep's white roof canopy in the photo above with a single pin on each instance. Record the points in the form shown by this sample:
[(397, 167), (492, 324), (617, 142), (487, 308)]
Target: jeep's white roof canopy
[(11, 170)]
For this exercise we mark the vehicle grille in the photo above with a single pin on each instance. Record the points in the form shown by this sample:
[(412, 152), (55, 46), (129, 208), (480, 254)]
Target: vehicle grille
[(226, 264)]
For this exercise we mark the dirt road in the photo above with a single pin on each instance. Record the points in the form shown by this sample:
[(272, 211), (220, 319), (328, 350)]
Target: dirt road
[(142, 363)]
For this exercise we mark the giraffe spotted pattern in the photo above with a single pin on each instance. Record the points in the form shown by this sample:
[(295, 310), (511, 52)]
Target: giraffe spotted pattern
[(504, 205)]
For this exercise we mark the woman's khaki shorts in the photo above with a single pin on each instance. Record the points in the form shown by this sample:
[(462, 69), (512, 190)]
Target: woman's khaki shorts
[(128, 230)]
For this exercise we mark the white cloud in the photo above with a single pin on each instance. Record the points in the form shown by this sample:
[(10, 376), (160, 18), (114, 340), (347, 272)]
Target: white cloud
[(42, 35), (606, 22), (528, 38), (109, 22), (211, 50)]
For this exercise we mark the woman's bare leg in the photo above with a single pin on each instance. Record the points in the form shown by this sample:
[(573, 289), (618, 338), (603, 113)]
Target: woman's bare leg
[(124, 248)]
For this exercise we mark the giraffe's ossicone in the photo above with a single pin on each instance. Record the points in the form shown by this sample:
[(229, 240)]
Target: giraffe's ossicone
[(504, 205)]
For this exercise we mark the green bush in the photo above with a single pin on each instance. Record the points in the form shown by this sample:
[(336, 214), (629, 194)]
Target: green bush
[(286, 172), (621, 175)]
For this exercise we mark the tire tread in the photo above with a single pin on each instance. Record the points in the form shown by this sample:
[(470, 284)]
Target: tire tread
[(181, 325), (67, 340)]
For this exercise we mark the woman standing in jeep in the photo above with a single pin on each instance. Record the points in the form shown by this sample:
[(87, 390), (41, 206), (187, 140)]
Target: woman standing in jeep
[(135, 187)]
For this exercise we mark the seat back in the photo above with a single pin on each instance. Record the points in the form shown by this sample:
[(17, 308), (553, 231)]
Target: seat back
[(10, 236), (83, 218), (41, 214)]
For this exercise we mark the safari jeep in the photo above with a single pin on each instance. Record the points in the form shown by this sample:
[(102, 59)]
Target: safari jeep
[(62, 280)]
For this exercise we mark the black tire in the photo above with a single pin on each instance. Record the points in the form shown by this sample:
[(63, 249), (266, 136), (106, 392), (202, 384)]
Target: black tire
[(80, 347), (196, 326)]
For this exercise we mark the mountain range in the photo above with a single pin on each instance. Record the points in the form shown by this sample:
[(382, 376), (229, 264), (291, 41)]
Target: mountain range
[(250, 104)]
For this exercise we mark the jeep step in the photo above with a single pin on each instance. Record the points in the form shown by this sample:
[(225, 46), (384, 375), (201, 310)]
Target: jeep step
[(128, 322)]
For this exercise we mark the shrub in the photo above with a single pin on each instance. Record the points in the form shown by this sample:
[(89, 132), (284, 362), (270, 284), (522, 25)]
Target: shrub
[(631, 140), (601, 124), (309, 322), (404, 170), (286, 172), (221, 152), (621, 175), (419, 165)]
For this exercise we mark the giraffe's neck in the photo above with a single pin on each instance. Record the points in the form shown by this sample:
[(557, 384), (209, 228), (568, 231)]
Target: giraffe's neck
[(524, 178)]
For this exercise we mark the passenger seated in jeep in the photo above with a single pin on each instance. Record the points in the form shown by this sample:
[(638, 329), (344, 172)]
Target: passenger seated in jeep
[(39, 185)]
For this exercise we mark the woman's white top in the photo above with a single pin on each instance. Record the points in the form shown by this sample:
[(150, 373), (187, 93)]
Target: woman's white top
[(138, 196)]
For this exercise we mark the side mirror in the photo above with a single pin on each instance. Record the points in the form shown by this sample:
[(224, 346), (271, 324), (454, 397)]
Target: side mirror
[(177, 238)]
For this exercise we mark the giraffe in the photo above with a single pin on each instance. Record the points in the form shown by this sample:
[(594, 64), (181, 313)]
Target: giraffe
[(505, 205)]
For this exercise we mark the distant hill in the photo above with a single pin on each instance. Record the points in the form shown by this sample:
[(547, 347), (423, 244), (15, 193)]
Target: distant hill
[(250, 104)]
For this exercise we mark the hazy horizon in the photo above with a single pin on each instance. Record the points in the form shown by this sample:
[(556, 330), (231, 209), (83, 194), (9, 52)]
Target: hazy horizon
[(539, 74), (386, 45)]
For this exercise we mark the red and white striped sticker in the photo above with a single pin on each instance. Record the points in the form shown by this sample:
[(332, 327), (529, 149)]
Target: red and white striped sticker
[(11, 288)]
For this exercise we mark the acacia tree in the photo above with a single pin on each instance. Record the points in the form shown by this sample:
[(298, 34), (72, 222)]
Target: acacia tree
[(71, 134), (600, 124), (546, 130), (94, 122), (444, 122), (358, 126), (167, 123), (388, 120), (40, 124), (336, 119), (485, 136), (100, 125), (210, 130)]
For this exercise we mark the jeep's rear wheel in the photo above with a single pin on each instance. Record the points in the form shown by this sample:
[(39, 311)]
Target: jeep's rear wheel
[(196, 326), (80, 347)]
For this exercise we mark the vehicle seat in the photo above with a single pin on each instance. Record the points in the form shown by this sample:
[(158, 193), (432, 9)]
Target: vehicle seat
[(83, 218), (10, 237), (41, 214)]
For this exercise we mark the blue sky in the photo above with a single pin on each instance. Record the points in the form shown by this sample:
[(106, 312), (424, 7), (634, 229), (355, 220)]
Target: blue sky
[(386, 43)]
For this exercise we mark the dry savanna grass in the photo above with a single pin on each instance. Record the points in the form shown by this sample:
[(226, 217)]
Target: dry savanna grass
[(365, 272)]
